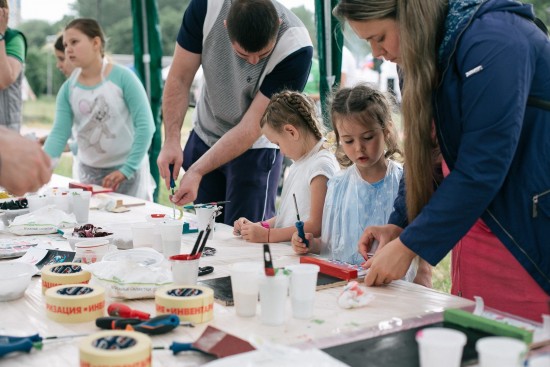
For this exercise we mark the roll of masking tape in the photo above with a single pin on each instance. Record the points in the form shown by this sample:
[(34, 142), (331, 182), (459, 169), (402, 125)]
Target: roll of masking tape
[(190, 303), (75, 303), (64, 273), (115, 348)]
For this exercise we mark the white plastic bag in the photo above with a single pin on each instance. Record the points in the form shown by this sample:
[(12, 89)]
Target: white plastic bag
[(130, 279), (42, 221)]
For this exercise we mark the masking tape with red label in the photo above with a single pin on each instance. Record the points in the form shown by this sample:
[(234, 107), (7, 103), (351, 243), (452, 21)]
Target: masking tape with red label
[(190, 303), (63, 273), (75, 303), (115, 348)]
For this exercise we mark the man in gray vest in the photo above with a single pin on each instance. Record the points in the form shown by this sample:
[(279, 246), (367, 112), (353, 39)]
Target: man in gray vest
[(13, 49), (249, 50)]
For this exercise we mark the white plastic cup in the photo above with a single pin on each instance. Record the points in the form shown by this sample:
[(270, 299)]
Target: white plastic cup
[(273, 292), (303, 285), (245, 279), (63, 202), (440, 347), (170, 232), (81, 205), (91, 251), (205, 215), (184, 269), (143, 235), (500, 351), (156, 232), (36, 202)]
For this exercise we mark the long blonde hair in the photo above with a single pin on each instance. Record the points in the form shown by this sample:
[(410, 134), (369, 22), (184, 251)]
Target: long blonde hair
[(420, 22)]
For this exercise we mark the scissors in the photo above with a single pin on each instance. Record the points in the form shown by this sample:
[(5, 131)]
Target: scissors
[(9, 344)]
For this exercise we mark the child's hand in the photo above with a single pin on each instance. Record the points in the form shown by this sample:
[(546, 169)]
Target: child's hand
[(237, 225), (254, 232), (298, 245)]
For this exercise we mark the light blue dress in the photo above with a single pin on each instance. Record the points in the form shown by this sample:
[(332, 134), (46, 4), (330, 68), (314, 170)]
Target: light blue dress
[(351, 205)]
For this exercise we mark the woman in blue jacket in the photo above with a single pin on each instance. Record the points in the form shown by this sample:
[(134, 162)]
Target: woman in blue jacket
[(471, 68)]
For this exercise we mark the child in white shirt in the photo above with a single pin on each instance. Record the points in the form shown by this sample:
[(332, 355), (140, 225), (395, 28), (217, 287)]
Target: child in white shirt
[(290, 122)]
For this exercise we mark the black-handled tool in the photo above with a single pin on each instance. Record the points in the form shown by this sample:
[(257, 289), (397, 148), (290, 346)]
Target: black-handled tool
[(154, 326)]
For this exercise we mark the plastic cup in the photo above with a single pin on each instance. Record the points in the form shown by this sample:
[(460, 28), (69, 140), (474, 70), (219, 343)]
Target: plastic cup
[(184, 269), (81, 205), (36, 202), (63, 202), (91, 251), (499, 351), (245, 279), (170, 232), (303, 284), (440, 347), (273, 292), (143, 235), (205, 216), (156, 231)]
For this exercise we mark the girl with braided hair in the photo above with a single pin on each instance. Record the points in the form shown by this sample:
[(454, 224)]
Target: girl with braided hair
[(361, 195), (290, 122)]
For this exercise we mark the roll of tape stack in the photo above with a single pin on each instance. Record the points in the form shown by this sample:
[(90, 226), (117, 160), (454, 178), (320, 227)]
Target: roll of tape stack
[(115, 348), (65, 273), (74, 303), (191, 303)]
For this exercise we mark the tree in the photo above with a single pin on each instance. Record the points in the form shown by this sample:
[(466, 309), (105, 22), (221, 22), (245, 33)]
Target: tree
[(36, 32)]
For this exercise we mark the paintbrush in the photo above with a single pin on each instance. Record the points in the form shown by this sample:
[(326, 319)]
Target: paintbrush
[(172, 186), (197, 242), (268, 264), (206, 234)]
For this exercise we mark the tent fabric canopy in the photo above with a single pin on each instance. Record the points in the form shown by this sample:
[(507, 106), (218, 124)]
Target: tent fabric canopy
[(148, 65)]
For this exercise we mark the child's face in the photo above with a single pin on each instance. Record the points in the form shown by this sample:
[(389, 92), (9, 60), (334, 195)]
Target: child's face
[(79, 48), (63, 63), (363, 144), (287, 140)]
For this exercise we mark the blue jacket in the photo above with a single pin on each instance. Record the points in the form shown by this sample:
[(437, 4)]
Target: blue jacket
[(491, 59)]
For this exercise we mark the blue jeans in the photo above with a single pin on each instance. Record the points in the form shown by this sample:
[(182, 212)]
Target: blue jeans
[(249, 181)]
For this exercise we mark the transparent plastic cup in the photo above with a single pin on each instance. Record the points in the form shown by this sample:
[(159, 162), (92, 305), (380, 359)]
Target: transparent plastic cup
[(303, 285), (170, 232), (499, 351), (143, 235), (440, 347), (205, 216), (81, 205), (245, 279), (273, 292)]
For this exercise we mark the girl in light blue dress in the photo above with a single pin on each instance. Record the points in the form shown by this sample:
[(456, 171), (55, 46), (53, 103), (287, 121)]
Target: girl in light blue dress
[(361, 195)]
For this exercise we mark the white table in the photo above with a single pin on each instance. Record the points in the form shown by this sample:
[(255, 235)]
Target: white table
[(395, 306)]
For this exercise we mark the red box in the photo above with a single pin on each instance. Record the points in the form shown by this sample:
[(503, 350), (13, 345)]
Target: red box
[(335, 269), (95, 189)]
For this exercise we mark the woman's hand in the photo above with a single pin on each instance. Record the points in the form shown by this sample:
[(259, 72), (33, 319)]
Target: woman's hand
[(113, 180), (382, 234), (389, 263), (298, 244)]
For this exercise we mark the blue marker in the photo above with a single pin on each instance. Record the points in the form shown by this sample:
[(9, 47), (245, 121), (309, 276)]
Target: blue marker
[(300, 224)]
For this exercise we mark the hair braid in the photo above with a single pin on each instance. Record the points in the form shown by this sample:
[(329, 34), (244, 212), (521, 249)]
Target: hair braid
[(289, 107)]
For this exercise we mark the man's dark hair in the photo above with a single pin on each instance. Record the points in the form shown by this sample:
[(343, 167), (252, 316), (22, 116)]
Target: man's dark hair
[(252, 23)]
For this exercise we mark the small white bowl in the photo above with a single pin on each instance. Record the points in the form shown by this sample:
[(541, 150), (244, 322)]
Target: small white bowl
[(15, 277), (74, 240), (8, 215)]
